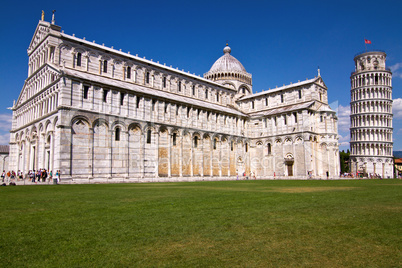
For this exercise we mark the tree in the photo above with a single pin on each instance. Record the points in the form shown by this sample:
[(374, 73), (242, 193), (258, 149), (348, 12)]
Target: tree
[(344, 159)]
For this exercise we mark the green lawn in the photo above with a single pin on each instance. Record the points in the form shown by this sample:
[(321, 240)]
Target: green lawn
[(200, 224)]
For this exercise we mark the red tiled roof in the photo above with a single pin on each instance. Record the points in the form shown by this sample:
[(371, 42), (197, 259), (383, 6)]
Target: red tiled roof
[(398, 161)]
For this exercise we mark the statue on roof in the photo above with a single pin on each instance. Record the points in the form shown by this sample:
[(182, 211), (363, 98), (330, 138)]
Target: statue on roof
[(53, 20), (43, 15)]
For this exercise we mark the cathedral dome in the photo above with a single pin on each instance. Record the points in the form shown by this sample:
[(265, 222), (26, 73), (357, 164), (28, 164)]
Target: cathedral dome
[(227, 63), (228, 71)]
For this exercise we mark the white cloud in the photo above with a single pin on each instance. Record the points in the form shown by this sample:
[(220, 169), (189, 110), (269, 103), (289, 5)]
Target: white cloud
[(5, 122), (397, 108), (344, 140), (343, 118), (395, 67), (4, 138)]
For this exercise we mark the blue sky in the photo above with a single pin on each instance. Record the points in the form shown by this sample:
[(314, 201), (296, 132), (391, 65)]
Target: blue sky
[(278, 42)]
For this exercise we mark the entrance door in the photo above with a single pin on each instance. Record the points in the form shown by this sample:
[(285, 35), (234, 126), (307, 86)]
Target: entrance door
[(290, 169)]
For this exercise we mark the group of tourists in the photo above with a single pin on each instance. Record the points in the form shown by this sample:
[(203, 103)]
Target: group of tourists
[(40, 175), (11, 176), (361, 175)]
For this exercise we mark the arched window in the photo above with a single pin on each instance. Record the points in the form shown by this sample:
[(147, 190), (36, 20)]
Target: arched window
[(105, 95), (206, 94), (122, 98), (105, 66), (174, 139), (215, 140), (231, 145), (179, 86), (246, 147), (79, 59), (138, 102), (147, 78), (195, 142), (269, 148), (164, 82), (149, 133), (117, 134), (86, 90), (128, 72)]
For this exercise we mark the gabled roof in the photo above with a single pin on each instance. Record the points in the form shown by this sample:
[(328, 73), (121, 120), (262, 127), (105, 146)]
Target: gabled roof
[(40, 33), (150, 91), (295, 85), (284, 109), (48, 65)]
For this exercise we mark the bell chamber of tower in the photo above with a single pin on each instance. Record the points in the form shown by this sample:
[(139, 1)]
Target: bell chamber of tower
[(228, 71), (371, 116)]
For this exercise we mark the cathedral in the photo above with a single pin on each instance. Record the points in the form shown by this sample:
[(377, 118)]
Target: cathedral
[(97, 113)]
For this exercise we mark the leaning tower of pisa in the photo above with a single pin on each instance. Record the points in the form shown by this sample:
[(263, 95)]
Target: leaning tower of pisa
[(371, 116)]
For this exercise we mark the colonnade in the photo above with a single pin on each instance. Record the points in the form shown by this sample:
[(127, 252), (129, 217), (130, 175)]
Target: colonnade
[(371, 135), (371, 107), (371, 121), (41, 105), (371, 79), (371, 149)]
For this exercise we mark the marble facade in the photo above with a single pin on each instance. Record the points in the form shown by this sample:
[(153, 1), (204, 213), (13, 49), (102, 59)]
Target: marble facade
[(96, 112)]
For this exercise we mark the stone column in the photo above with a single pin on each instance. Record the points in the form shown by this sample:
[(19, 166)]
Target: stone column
[(202, 154), (92, 89), (87, 62), (220, 156), (127, 104), (156, 154), (92, 146), (51, 156), (81, 95), (191, 155), (169, 154), (110, 152), (211, 155), (181, 154)]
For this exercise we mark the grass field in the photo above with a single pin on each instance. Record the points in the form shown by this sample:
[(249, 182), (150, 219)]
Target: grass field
[(203, 224)]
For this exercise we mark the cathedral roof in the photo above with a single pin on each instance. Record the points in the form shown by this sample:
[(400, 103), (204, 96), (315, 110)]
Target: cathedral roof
[(293, 85), (227, 63), (285, 109), (151, 91)]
